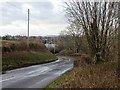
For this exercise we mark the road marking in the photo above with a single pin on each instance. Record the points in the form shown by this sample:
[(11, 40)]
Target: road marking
[(7, 79), (39, 70)]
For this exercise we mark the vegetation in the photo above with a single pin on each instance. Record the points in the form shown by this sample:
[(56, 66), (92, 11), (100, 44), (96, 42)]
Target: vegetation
[(57, 82), (83, 75), (95, 25), (92, 37), (21, 45), (16, 55), (93, 30), (19, 59)]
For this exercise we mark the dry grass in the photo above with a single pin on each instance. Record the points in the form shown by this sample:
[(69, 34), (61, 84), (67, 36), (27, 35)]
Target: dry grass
[(15, 54), (66, 52), (21, 45), (21, 59), (102, 75)]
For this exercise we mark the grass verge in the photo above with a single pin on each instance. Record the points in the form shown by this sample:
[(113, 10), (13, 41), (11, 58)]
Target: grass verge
[(103, 75), (57, 82), (23, 58)]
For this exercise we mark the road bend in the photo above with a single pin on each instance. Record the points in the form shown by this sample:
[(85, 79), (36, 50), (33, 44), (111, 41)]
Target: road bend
[(36, 76)]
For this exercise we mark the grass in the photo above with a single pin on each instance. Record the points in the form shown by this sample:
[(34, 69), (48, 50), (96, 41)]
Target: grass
[(19, 59), (7, 41), (101, 75), (15, 55), (57, 82)]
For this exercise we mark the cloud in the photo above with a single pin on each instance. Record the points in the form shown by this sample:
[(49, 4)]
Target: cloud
[(12, 11), (45, 18), (20, 28)]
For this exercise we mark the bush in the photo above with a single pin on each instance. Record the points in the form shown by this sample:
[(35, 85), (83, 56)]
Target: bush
[(82, 60), (66, 52), (11, 46)]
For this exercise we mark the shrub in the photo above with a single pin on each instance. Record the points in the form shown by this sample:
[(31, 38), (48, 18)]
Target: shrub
[(8, 46), (66, 52)]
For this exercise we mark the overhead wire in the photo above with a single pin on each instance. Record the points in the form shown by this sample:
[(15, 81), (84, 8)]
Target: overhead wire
[(13, 5)]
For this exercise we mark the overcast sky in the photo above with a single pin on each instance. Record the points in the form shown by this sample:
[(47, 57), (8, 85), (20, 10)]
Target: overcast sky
[(46, 17)]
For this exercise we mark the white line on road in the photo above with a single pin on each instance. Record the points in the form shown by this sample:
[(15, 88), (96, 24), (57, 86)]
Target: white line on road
[(7, 79), (39, 70)]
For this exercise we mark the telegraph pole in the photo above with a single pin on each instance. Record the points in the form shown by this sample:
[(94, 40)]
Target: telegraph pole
[(28, 32), (54, 45)]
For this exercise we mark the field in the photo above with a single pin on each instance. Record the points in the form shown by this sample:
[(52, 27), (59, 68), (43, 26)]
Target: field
[(15, 54), (103, 75)]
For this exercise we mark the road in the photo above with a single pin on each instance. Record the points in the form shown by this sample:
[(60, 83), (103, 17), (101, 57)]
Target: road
[(37, 76)]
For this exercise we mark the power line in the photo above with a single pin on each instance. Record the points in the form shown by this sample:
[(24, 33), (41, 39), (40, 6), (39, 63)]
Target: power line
[(14, 5), (17, 7), (2, 7)]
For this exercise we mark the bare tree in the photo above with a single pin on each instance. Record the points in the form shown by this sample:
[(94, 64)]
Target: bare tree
[(75, 31), (99, 22), (66, 40)]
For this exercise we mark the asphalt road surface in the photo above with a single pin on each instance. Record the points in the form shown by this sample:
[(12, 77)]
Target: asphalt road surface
[(36, 76)]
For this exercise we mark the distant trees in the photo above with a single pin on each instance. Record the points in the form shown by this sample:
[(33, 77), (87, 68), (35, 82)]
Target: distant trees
[(7, 37), (72, 40), (74, 34), (64, 41), (99, 22)]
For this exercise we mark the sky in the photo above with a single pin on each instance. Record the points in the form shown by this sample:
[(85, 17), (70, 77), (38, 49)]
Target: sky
[(47, 17)]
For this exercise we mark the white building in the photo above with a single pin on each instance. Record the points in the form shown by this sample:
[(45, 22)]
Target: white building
[(50, 45)]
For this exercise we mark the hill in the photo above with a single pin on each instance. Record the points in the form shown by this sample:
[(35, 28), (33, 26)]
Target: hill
[(15, 54)]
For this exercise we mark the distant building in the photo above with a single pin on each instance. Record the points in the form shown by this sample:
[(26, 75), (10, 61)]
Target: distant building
[(50, 45), (7, 37)]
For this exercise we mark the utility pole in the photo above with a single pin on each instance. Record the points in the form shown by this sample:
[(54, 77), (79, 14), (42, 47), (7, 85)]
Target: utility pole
[(28, 32), (54, 45), (118, 42)]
